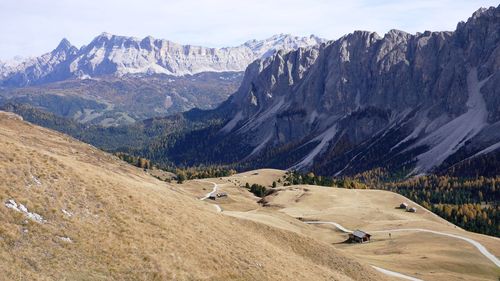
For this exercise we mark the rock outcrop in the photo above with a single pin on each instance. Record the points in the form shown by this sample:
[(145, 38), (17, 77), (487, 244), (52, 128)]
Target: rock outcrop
[(115, 55), (364, 101)]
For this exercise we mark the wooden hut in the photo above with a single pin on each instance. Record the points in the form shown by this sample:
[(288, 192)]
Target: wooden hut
[(222, 194), (359, 236), (412, 210)]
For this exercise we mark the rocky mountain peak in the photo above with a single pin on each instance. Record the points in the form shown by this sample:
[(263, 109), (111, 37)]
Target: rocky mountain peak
[(65, 46), (433, 93), (395, 33), (482, 12), (109, 54), (104, 36)]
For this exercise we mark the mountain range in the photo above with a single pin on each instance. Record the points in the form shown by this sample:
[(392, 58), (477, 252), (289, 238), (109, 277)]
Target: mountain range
[(109, 54), (117, 80), (404, 103), (401, 104)]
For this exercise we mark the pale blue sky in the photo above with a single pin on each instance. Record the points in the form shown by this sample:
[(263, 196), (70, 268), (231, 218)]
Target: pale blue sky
[(33, 27)]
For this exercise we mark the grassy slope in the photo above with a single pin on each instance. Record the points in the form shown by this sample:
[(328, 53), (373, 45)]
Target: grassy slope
[(127, 225), (423, 255)]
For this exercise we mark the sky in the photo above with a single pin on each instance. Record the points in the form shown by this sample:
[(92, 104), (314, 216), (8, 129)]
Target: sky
[(34, 27)]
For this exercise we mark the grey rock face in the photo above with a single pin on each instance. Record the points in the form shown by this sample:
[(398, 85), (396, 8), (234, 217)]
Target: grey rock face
[(115, 55), (47, 67), (433, 92)]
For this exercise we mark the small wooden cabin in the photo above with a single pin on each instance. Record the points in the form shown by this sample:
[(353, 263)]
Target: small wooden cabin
[(222, 194), (412, 210), (359, 236)]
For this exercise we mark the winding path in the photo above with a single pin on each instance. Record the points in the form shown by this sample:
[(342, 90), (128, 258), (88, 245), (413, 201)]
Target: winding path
[(218, 208), (395, 274), (476, 244), (216, 186), (382, 270), (340, 227)]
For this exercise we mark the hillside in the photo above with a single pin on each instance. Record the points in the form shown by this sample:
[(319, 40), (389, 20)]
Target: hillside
[(86, 215), (420, 245)]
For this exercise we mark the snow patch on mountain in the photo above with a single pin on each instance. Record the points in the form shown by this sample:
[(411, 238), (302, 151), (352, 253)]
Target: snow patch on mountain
[(268, 47)]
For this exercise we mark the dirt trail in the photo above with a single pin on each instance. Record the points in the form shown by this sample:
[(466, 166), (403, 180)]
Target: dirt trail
[(474, 243), (395, 274), (216, 186)]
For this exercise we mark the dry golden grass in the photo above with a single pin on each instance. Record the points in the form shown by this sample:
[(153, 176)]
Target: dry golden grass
[(126, 225), (423, 255), (161, 174), (262, 176)]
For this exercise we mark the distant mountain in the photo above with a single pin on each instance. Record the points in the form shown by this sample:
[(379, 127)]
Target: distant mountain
[(117, 80), (47, 67), (405, 103), (116, 55)]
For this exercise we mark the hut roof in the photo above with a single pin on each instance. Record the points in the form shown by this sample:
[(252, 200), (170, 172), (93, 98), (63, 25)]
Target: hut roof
[(360, 234)]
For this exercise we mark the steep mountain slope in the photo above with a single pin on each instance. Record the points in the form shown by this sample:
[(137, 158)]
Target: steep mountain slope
[(404, 102), (70, 211), (48, 67), (115, 55)]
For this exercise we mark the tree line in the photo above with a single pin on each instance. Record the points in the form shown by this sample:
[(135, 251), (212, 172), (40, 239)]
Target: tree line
[(471, 203)]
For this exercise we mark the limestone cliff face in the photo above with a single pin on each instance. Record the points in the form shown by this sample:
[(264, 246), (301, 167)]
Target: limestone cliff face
[(433, 92), (115, 55)]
